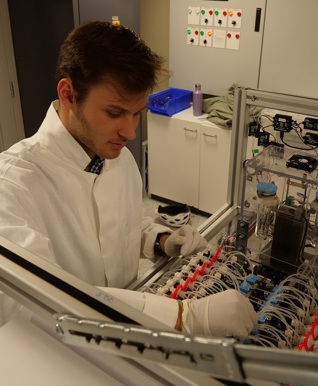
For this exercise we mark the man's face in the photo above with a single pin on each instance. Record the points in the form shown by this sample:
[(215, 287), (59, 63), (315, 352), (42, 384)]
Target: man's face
[(106, 120)]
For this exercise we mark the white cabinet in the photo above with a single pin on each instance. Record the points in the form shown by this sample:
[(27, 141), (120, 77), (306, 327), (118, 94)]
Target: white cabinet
[(214, 167), (188, 160), (173, 162)]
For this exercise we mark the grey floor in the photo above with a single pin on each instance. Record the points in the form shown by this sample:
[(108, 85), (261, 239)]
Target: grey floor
[(149, 209)]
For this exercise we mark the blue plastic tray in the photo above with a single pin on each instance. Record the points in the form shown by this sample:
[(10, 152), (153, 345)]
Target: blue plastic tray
[(170, 101)]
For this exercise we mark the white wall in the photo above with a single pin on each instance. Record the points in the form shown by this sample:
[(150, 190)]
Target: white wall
[(11, 123), (290, 54), (154, 29)]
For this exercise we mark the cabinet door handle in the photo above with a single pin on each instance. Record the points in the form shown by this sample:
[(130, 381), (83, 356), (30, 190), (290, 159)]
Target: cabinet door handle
[(209, 135), (192, 130)]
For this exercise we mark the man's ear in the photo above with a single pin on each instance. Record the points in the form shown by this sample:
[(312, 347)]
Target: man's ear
[(65, 92)]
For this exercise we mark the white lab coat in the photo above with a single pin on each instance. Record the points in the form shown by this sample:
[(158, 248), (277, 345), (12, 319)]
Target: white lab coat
[(89, 225)]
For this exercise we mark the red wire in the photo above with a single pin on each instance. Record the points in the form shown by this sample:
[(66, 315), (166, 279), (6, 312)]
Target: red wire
[(215, 257), (193, 278)]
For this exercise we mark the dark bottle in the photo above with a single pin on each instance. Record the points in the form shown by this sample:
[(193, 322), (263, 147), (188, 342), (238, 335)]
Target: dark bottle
[(197, 100)]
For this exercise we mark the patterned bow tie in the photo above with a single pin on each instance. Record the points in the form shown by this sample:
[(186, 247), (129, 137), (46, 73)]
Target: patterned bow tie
[(96, 165)]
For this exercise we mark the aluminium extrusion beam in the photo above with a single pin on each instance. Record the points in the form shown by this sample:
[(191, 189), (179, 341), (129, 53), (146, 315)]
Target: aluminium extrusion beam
[(221, 358), (201, 354), (289, 103), (278, 365), (218, 222), (238, 142), (47, 289)]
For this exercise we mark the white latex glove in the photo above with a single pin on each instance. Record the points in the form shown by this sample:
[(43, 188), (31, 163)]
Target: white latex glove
[(226, 314), (184, 241)]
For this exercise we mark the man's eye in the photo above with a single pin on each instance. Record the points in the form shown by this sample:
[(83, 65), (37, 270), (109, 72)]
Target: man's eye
[(113, 114)]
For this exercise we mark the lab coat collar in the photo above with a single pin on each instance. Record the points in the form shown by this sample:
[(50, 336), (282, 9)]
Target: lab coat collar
[(57, 139)]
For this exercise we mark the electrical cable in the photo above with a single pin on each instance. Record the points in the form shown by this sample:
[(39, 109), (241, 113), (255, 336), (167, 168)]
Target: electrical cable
[(295, 147)]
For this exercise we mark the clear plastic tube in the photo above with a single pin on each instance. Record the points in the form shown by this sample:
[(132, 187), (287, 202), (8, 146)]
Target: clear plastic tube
[(276, 333), (262, 341)]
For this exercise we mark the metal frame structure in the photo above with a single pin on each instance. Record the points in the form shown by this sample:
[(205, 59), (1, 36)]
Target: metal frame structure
[(87, 317)]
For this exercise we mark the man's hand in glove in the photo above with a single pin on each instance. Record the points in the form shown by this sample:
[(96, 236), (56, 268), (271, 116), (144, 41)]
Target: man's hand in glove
[(185, 241), (224, 314)]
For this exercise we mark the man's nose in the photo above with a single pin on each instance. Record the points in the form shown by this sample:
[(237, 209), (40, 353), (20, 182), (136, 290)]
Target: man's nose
[(128, 127)]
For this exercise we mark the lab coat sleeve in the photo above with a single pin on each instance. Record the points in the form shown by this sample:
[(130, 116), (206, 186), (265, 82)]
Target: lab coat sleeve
[(18, 224), (21, 222), (161, 308), (150, 230)]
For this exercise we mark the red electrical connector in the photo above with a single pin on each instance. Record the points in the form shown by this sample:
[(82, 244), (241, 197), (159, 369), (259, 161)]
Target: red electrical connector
[(215, 257), (193, 278), (310, 337)]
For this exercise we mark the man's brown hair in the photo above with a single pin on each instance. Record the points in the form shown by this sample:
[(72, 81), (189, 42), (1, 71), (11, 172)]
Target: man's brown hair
[(98, 52)]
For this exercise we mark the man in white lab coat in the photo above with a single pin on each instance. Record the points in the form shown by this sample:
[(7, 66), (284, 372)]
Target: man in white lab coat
[(72, 193)]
